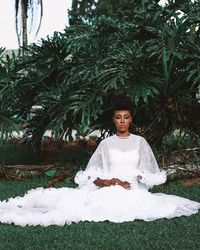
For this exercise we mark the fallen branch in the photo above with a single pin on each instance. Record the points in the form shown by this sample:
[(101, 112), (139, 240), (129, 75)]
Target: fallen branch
[(182, 171), (185, 150), (19, 172)]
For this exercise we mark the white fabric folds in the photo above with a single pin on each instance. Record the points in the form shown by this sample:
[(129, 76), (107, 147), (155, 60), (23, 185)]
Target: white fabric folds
[(115, 157)]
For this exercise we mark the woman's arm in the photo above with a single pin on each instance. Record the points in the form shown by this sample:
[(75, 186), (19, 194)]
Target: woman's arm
[(151, 174)]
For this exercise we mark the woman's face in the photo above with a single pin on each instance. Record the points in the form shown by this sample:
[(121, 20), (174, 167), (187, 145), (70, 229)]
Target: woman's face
[(122, 120)]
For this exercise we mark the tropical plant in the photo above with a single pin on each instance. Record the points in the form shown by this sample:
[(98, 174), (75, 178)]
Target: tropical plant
[(150, 54), (9, 109)]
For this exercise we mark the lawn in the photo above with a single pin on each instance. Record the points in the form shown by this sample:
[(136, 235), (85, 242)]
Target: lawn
[(178, 233)]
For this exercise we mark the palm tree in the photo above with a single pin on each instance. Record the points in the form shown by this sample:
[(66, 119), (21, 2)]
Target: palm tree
[(22, 9)]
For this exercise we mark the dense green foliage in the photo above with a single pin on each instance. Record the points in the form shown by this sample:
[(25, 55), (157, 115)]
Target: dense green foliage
[(83, 10), (145, 51), (177, 233)]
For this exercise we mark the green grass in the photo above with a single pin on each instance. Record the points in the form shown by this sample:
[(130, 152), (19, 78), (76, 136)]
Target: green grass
[(178, 233)]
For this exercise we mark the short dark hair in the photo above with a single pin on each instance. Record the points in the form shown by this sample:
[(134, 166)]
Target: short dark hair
[(122, 103)]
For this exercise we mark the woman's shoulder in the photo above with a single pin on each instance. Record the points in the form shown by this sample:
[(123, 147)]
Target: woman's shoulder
[(140, 140), (137, 137), (108, 139)]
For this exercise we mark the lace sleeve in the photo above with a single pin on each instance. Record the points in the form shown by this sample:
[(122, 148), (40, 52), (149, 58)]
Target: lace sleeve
[(151, 174), (94, 168)]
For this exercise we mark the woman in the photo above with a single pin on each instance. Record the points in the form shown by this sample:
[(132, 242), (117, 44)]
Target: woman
[(113, 187)]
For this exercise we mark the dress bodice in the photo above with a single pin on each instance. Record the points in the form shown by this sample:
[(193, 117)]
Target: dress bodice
[(123, 163), (118, 158), (123, 158)]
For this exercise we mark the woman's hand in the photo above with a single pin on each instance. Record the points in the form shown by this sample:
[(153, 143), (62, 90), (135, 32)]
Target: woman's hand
[(102, 183), (114, 181), (124, 184)]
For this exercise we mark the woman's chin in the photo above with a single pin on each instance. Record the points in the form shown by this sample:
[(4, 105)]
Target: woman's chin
[(123, 130)]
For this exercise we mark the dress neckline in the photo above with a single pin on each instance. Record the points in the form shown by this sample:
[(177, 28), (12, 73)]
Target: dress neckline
[(123, 137)]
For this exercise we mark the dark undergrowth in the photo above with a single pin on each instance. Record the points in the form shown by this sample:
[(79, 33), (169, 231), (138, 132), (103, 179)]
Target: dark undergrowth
[(11, 154)]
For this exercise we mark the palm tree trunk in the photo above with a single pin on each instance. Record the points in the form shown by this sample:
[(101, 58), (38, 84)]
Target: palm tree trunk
[(24, 17), (22, 7)]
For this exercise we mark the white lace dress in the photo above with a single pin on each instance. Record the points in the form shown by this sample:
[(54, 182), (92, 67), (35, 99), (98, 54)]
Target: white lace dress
[(123, 158)]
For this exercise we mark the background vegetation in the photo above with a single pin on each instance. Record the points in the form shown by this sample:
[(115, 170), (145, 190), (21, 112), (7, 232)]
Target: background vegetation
[(135, 48)]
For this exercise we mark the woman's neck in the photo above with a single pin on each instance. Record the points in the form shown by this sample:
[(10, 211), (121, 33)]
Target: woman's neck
[(123, 134)]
